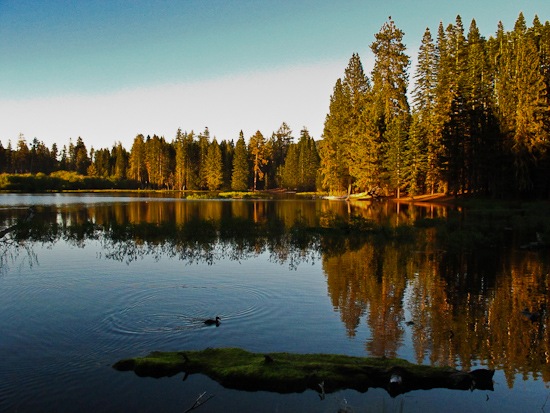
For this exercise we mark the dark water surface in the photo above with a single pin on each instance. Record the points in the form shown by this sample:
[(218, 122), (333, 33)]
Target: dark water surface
[(91, 279)]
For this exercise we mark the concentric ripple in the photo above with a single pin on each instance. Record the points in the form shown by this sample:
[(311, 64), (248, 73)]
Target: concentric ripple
[(144, 310)]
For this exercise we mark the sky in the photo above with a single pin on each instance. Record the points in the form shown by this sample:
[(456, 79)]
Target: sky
[(107, 70)]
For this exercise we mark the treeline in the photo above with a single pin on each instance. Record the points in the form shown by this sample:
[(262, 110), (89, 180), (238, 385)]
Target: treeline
[(480, 120), (188, 162), (479, 123)]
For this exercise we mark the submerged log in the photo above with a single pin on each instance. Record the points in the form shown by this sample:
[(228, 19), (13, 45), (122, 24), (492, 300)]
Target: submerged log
[(294, 373)]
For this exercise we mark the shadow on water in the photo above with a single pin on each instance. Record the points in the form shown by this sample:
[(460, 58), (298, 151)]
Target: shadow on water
[(456, 282)]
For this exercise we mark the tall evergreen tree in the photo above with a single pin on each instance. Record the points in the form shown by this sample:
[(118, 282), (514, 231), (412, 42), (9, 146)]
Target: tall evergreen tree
[(3, 159), (258, 150), (360, 143), (10, 158), (308, 161), (203, 144), (333, 150), (522, 102), (389, 87), (239, 176), (213, 166), (532, 111), (180, 161), (120, 161), (54, 153), (291, 168), (81, 160), (192, 154), (101, 163), (483, 150), (417, 157), (137, 169), (279, 143), (444, 97), (22, 156), (422, 157), (157, 161), (64, 161), (184, 171), (344, 127), (456, 138), (366, 154), (228, 151)]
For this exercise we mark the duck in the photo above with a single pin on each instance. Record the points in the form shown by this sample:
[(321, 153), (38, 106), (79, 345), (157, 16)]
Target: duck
[(211, 322)]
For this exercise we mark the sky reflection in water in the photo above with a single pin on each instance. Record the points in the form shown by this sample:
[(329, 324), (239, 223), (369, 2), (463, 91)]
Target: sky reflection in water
[(90, 283)]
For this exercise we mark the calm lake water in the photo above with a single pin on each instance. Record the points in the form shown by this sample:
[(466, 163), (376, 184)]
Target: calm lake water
[(92, 279)]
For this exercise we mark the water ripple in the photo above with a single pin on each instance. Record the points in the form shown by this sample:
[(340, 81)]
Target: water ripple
[(181, 308)]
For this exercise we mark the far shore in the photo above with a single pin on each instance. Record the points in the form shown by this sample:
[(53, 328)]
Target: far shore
[(440, 198)]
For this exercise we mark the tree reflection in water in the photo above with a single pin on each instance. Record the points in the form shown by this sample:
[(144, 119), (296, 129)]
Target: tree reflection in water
[(462, 283)]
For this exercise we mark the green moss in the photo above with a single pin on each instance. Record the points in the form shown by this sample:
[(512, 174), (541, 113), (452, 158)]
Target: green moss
[(286, 372)]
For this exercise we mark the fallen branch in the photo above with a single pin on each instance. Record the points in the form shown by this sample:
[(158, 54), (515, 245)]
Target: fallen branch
[(199, 402), (28, 218), (7, 230)]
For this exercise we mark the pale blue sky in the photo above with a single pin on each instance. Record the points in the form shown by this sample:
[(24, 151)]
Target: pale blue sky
[(108, 70)]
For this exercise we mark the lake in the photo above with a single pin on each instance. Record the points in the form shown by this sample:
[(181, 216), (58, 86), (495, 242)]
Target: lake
[(89, 279)]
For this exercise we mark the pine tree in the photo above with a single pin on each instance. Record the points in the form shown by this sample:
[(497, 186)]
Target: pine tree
[(239, 177), (121, 161), (425, 75), (454, 136), (417, 156), (344, 127), (213, 166), (308, 161), (203, 144), (81, 160), (361, 144), (291, 168), (54, 152), (184, 170), (541, 36), (136, 168), (3, 159), (157, 161), (366, 154), (279, 143), (333, 150), (22, 156), (422, 157), (259, 154), (228, 151), (101, 163), (180, 161), (522, 101), (531, 132), (63, 162), (481, 154), (389, 88), (444, 100)]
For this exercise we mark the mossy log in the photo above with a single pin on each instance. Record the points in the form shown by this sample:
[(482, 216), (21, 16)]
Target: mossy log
[(293, 373)]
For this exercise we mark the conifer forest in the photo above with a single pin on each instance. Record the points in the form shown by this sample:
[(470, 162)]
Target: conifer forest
[(472, 118)]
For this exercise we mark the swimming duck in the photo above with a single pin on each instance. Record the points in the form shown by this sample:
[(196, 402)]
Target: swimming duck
[(211, 322)]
